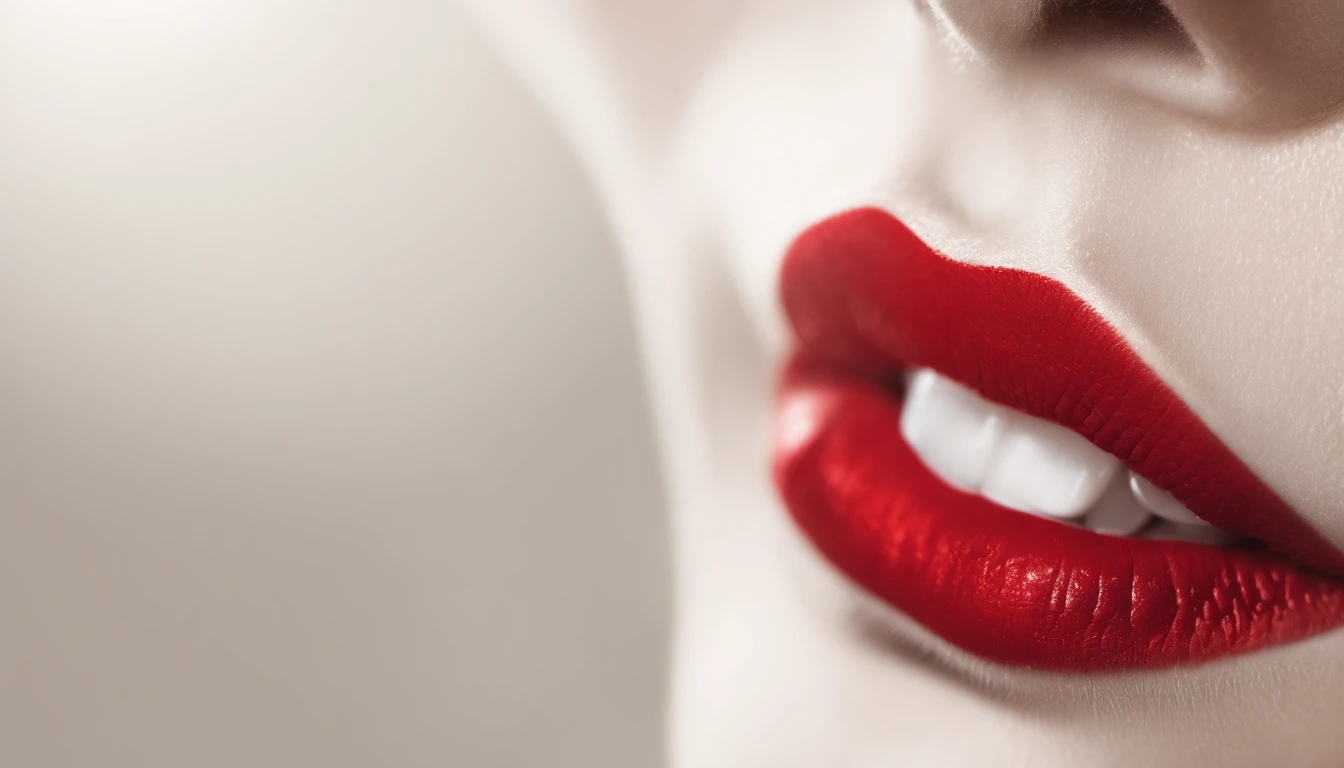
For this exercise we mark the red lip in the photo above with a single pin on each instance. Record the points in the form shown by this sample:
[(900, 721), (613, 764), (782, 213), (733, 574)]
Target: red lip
[(867, 299)]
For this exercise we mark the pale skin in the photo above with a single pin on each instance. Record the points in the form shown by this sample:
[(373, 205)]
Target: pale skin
[(1190, 188)]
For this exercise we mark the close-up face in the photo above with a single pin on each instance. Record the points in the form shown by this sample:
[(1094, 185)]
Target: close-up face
[(996, 351)]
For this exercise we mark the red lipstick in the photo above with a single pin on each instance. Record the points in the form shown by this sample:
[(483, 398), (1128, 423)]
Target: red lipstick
[(868, 300)]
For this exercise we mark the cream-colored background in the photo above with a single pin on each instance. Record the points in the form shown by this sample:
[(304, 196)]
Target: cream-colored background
[(322, 439)]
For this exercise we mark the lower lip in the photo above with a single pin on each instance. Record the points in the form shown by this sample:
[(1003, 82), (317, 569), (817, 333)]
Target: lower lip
[(1003, 585)]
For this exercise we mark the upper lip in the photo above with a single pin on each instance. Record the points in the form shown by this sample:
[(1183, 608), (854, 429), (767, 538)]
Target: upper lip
[(868, 298)]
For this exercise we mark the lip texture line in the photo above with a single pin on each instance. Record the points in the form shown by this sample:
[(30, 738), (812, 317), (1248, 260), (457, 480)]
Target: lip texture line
[(868, 299)]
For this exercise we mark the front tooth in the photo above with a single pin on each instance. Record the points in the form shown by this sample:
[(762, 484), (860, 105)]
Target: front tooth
[(1117, 512), (953, 430), (1047, 469), (1161, 503)]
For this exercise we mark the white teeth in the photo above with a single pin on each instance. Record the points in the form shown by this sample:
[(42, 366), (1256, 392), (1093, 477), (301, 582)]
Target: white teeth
[(1117, 512), (952, 429), (1047, 469), (1034, 466), (1011, 458), (1161, 503)]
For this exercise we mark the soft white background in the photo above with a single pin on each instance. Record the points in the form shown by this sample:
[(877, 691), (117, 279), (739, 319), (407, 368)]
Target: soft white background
[(322, 436)]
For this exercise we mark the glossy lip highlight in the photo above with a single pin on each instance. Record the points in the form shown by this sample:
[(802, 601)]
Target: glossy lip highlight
[(868, 299)]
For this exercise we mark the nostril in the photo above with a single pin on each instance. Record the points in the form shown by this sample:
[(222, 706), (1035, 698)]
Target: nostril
[(1065, 22), (1254, 65)]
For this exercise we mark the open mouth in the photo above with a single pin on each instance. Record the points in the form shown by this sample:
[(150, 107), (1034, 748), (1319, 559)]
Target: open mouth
[(981, 450)]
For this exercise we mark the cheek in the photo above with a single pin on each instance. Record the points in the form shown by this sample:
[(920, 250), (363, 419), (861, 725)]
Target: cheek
[(1225, 254)]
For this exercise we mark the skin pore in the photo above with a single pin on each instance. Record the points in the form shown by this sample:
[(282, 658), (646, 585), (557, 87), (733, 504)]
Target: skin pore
[(1183, 176)]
